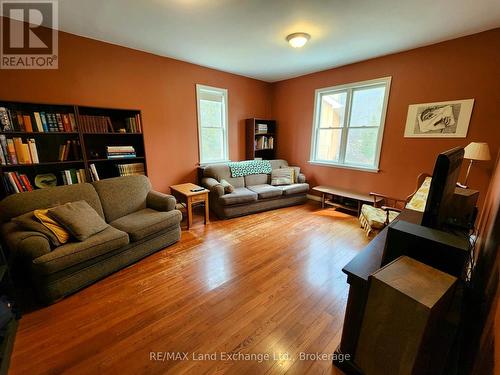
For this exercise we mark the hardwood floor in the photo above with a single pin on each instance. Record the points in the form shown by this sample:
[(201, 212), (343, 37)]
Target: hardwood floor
[(265, 283)]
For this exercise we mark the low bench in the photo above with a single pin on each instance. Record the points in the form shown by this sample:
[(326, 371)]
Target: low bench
[(331, 191)]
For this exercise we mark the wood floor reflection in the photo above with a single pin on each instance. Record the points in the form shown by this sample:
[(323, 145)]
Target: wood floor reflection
[(269, 283)]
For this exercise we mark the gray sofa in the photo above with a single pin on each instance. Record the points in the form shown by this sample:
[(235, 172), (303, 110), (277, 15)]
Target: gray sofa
[(141, 221), (252, 193)]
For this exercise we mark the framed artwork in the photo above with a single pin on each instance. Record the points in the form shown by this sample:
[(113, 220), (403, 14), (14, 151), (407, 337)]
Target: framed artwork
[(439, 120)]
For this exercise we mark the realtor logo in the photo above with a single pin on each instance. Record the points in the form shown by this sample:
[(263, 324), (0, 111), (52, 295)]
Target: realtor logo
[(29, 35)]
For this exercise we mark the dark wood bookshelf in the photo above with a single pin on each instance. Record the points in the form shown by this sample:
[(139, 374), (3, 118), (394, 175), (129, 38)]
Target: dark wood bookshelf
[(253, 136), (92, 144)]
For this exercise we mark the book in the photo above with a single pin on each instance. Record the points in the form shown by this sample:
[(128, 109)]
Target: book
[(19, 151), (45, 123), (5, 121), (38, 127), (11, 150), (59, 121), (26, 182), (66, 122), (15, 186), (131, 169), (20, 122), (94, 174), (72, 121), (27, 123), (33, 150)]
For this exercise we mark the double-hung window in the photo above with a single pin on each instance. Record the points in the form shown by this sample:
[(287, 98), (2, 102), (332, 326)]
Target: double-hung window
[(348, 124), (212, 124)]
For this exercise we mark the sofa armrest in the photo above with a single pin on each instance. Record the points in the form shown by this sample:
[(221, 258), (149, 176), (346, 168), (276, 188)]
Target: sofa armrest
[(301, 178), (27, 245), (160, 201), (213, 185)]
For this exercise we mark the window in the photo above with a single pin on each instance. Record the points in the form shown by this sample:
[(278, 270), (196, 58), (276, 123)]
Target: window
[(348, 124), (212, 124)]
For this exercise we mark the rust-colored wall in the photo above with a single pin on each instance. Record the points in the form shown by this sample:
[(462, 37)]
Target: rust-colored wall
[(458, 69), (100, 74)]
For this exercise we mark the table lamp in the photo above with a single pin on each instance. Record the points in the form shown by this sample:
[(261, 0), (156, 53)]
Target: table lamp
[(476, 151)]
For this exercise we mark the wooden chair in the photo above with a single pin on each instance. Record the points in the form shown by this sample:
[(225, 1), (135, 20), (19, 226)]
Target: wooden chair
[(375, 217)]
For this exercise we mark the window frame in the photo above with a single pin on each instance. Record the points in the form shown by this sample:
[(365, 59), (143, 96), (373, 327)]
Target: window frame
[(225, 127), (349, 89)]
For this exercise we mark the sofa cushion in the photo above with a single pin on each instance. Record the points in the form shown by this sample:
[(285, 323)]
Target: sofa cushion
[(266, 191), (282, 176), (121, 196), (145, 222), (56, 228), (79, 219), (239, 195), (74, 253), (296, 173), (257, 179), (278, 163), (294, 189)]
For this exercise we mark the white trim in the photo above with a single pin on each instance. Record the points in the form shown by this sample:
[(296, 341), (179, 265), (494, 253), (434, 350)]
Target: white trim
[(350, 87), (344, 166), (225, 124)]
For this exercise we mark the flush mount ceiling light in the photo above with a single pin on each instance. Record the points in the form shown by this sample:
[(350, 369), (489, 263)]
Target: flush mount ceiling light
[(298, 40)]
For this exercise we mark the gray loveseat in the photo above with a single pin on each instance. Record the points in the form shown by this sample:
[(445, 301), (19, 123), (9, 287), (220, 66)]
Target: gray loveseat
[(141, 221), (252, 193)]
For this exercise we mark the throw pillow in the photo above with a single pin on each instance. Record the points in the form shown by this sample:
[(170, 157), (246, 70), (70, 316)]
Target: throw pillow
[(228, 188), (282, 176), (81, 220), (29, 222), (296, 172), (61, 233)]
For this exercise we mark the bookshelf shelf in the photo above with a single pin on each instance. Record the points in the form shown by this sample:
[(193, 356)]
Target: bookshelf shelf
[(96, 129), (260, 143)]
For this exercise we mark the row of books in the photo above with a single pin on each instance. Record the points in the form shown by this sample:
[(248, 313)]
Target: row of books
[(264, 143), (133, 124), (43, 122), (73, 176), (95, 124), (14, 151), (14, 182), (70, 150), (131, 169), (120, 152)]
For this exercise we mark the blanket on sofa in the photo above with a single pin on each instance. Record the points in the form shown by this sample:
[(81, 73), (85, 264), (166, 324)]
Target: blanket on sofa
[(248, 167)]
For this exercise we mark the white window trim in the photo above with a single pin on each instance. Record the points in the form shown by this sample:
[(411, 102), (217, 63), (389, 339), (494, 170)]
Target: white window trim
[(225, 127), (350, 86)]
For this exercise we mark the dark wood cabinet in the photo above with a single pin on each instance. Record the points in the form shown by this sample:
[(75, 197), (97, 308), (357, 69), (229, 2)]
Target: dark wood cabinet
[(94, 129), (260, 139)]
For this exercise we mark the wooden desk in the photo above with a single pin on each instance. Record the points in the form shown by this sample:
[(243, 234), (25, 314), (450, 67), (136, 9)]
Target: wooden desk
[(359, 197), (184, 194)]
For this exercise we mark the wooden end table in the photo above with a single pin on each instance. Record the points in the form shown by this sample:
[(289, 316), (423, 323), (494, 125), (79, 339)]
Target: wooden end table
[(183, 193)]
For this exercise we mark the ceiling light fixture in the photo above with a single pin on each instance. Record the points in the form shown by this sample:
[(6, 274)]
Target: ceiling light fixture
[(298, 40)]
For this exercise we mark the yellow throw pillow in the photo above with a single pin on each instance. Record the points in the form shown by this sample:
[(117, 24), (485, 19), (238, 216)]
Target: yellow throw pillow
[(61, 233)]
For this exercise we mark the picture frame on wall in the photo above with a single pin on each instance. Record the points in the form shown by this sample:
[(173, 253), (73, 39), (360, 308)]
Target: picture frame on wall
[(439, 120)]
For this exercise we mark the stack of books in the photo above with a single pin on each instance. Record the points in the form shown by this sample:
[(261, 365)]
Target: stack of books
[(95, 124), (261, 128), (120, 152), (14, 151), (73, 176), (131, 169), (70, 150), (133, 124), (42, 122), (14, 182)]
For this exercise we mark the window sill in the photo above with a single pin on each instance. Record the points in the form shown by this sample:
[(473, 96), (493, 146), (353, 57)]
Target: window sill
[(345, 166), (204, 164)]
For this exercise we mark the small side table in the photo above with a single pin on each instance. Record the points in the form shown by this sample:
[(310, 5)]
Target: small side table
[(183, 193)]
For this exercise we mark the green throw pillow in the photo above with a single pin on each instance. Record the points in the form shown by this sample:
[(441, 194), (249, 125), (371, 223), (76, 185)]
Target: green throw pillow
[(79, 219)]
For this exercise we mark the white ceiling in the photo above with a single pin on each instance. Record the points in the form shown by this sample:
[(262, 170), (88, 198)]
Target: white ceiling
[(247, 37)]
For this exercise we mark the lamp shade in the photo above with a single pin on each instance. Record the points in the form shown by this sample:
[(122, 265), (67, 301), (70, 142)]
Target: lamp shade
[(477, 151)]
